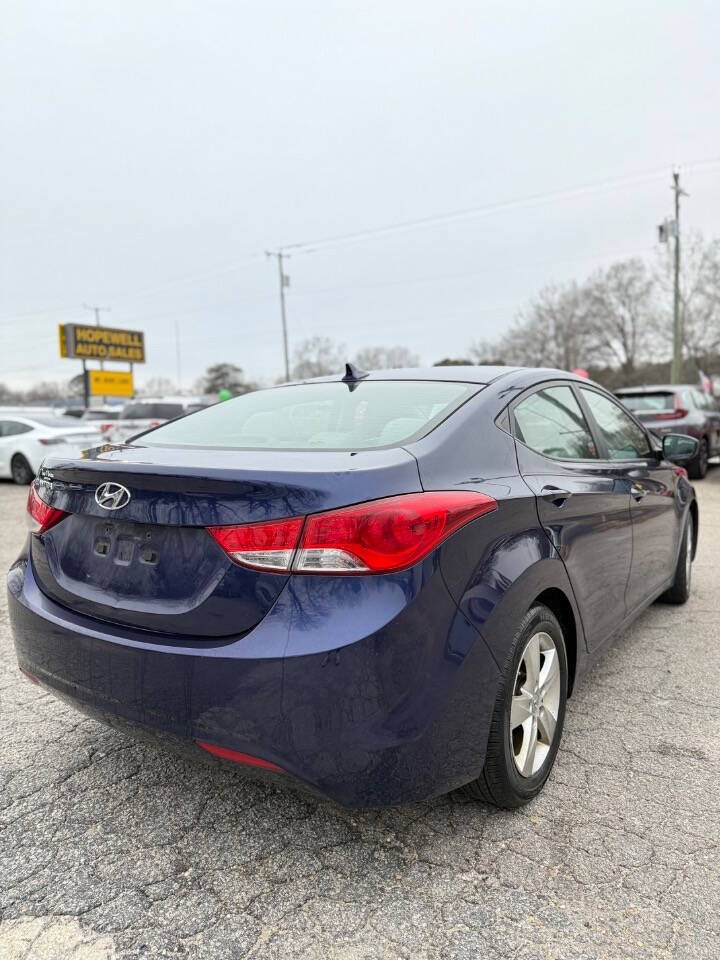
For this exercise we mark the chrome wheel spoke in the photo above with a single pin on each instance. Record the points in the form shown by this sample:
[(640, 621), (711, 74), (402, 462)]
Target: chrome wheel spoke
[(526, 758), (531, 659), (520, 709), (546, 726), (550, 673)]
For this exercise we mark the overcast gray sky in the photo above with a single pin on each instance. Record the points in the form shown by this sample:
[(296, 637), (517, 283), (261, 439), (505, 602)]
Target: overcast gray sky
[(152, 151)]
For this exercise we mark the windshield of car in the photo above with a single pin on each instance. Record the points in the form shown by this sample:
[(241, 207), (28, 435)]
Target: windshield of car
[(648, 401), (319, 416), (152, 411)]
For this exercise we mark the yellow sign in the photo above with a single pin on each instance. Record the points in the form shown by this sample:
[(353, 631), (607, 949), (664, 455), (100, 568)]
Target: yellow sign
[(63, 340), (110, 383), (102, 343)]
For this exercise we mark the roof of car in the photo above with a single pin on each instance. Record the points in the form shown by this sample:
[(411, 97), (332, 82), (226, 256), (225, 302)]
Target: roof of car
[(461, 374)]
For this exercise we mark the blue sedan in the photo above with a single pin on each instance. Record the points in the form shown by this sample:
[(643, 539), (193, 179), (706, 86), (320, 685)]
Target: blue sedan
[(383, 586)]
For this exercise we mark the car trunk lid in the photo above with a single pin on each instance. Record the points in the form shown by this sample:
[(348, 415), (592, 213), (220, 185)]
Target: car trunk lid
[(150, 562)]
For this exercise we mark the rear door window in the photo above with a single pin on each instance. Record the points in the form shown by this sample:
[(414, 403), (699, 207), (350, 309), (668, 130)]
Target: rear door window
[(551, 422), (625, 440)]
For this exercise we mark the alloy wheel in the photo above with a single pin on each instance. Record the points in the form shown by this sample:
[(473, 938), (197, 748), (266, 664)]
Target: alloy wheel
[(535, 704)]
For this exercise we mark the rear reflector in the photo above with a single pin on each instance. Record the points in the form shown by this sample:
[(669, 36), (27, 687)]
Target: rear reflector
[(380, 536), (245, 758), (40, 515)]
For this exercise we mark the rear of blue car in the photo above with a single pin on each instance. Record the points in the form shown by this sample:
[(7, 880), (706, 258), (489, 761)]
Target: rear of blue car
[(282, 606)]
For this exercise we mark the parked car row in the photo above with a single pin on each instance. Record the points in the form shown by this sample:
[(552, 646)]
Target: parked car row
[(679, 409), (662, 408), (27, 437)]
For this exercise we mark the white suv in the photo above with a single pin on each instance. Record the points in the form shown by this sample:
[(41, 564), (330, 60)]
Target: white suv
[(147, 412)]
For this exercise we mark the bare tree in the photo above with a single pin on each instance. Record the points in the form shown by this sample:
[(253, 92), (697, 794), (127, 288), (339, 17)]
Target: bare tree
[(552, 332), (621, 304), (159, 387), (386, 358), (699, 296), (317, 357)]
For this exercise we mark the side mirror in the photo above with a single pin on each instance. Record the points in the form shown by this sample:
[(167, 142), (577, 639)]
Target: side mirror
[(679, 448)]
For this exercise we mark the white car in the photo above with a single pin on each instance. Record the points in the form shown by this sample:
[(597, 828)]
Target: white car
[(146, 412), (26, 438)]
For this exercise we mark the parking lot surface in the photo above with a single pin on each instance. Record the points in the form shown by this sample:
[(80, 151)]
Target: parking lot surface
[(111, 848)]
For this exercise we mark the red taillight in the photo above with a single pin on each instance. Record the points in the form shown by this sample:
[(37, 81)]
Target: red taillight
[(385, 535), (245, 758), (380, 536), (676, 414), (40, 515), (264, 546)]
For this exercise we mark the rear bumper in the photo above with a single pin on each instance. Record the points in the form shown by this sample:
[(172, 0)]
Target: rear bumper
[(397, 714)]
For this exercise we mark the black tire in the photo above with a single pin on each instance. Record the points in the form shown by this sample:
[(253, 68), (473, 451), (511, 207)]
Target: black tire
[(698, 466), (501, 782), (679, 592), (22, 472)]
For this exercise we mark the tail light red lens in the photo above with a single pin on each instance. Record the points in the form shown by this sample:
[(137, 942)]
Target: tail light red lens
[(40, 515), (380, 536), (385, 535), (677, 414), (263, 546)]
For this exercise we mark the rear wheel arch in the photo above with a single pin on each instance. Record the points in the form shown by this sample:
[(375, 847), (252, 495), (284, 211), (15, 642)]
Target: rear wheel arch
[(557, 601)]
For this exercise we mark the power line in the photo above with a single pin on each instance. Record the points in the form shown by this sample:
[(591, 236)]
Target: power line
[(627, 180)]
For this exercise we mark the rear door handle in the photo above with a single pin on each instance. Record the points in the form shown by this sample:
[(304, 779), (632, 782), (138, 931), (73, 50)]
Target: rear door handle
[(637, 492), (555, 495)]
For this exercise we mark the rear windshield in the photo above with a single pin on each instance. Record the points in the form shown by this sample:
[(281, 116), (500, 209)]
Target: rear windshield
[(152, 411), (648, 401), (319, 416)]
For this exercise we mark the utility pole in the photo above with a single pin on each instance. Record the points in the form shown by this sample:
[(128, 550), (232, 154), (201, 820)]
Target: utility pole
[(284, 282), (676, 373)]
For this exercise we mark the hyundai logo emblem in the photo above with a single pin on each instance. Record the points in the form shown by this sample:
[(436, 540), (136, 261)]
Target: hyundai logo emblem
[(112, 496)]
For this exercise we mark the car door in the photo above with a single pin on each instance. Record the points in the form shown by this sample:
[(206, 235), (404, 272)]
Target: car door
[(709, 407), (583, 507), (657, 515)]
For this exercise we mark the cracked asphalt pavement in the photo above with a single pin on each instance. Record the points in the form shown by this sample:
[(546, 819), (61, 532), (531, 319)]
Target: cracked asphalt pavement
[(110, 848)]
